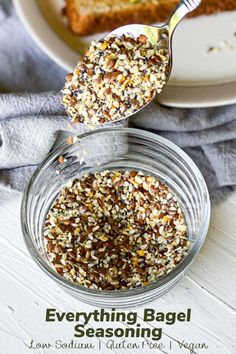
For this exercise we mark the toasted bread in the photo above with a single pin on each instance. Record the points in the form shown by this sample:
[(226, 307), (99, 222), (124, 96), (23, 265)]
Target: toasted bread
[(92, 16)]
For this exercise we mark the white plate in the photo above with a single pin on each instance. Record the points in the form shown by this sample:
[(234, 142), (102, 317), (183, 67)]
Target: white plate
[(204, 48)]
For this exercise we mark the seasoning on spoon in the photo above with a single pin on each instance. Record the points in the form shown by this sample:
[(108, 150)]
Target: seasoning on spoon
[(118, 76), (115, 230)]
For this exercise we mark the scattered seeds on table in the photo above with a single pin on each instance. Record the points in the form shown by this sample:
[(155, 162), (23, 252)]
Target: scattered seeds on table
[(61, 160)]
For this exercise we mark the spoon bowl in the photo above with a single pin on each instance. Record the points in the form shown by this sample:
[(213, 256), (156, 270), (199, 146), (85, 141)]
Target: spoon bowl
[(158, 36)]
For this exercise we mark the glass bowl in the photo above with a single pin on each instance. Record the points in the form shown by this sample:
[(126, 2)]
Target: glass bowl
[(117, 149)]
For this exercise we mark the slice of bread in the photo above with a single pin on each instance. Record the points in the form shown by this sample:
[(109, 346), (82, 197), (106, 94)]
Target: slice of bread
[(92, 16)]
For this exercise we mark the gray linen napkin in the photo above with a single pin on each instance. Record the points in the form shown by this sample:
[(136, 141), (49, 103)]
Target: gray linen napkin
[(208, 135), (30, 123)]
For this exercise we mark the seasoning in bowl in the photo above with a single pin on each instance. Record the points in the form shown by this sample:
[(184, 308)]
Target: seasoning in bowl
[(115, 230), (117, 77)]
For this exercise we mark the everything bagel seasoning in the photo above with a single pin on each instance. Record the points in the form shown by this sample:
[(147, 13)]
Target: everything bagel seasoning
[(115, 230), (117, 77)]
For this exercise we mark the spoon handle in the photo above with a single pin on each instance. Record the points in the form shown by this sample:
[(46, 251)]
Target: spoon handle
[(184, 7)]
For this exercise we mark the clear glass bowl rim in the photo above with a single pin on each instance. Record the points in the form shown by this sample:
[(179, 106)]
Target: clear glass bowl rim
[(180, 268)]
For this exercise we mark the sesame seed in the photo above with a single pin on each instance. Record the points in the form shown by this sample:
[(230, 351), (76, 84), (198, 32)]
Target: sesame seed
[(116, 81), (105, 237)]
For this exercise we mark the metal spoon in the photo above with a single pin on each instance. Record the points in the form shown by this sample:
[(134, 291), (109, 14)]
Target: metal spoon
[(160, 36)]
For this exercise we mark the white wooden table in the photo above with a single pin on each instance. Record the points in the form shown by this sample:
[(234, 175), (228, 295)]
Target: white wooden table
[(208, 288)]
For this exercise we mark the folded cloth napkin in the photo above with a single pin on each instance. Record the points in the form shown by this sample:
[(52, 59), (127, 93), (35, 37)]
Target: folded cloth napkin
[(208, 136), (30, 124)]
